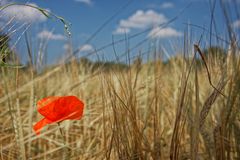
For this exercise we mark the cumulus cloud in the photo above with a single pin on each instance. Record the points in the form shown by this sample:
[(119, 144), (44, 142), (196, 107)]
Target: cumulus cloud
[(167, 5), (23, 13), (236, 24), (66, 46), (86, 48), (143, 19), (50, 35), (158, 32), (121, 30), (88, 2), (140, 20)]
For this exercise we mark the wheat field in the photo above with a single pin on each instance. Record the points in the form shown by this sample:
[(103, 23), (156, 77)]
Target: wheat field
[(186, 107)]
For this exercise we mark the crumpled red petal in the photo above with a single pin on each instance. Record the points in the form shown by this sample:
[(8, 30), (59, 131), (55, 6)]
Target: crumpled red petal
[(40, 124), (56, 109)]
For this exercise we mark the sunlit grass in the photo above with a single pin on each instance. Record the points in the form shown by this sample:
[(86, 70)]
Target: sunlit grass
[(184, 108)]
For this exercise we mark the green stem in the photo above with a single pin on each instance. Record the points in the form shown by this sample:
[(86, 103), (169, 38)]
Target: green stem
[(61, 132), (66, 149), (45, 12)]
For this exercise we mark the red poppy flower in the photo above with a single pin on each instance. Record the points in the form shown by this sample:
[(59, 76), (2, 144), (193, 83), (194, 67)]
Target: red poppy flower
[(57, 109)]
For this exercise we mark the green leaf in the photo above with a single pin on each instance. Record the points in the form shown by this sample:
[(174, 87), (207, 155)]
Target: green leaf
[(11, 65)]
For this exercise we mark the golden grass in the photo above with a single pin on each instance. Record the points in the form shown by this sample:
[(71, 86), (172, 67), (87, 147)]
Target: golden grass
[(185, 109), (150, 111)]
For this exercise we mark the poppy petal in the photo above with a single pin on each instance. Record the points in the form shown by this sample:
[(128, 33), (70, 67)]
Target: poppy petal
[(40, 124), (57, 109), (48, 107), (43, 102), (60, 108), (76, 115)]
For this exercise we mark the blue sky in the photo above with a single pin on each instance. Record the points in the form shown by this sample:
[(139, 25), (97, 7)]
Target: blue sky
[(86, 16)]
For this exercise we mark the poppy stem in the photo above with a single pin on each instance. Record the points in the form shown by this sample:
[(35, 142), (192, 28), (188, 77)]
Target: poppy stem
[(66, 150), (61, 132)]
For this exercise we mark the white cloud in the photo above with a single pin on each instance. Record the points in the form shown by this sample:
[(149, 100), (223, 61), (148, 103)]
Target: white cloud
[(236, 24), (66, 46), (158, 32), (120, 30), (86, 48), (167, 5), (88, 2), (23, 13), (50, 36), (141, 20)]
